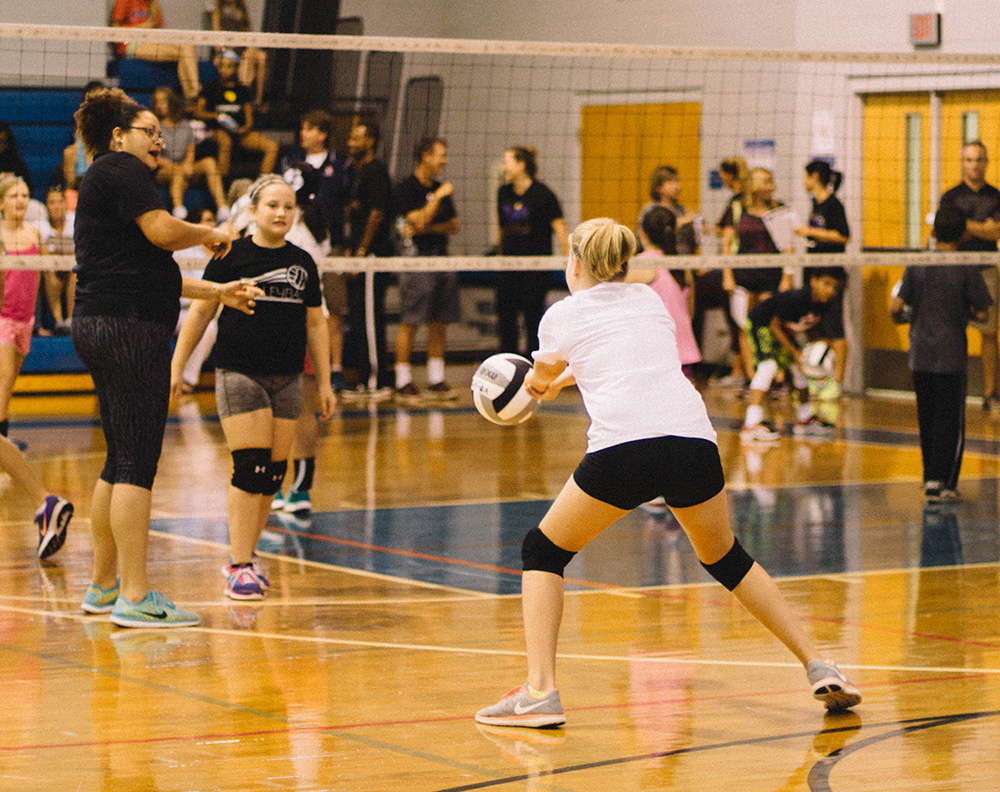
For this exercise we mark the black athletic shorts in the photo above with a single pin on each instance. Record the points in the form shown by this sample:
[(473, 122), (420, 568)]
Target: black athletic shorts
[(686, 471)]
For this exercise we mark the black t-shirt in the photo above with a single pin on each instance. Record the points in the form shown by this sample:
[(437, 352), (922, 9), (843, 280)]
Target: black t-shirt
[(829, 215), (228, 99), (526, 220), (370, 188), (412, 195), (943, 299), (273, 339), (795, 308), (119, 271), (977, 206)]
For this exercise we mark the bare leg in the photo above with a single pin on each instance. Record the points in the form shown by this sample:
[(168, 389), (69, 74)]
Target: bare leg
[(306, 427), (209, 168), (336, 327), (404, 342), (435, 339), (105, 549), (10, 366), (53, 294), (708, 528), (839, 347), (255, 141), (248, 511), (225, 143), (24, 475), (571, 522), (130, 509)]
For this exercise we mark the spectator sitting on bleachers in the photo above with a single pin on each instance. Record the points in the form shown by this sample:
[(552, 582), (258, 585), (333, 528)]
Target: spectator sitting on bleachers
[(76, 159), (233, 15), (57, 239), (225, 104), (178, 166), (148, 14), (10, 160)]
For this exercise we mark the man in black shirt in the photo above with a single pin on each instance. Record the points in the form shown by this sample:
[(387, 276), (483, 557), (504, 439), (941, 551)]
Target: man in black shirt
[(427, 218), (369, 232), (979, 202)]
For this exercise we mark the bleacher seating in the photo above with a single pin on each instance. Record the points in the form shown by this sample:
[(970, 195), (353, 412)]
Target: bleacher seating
[(42, 123)]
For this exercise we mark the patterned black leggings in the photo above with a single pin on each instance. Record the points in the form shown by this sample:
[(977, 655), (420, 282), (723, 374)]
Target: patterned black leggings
[(129, 360)]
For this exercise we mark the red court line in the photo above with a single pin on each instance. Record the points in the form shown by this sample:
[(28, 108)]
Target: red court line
[(448, 719), (613, 587)]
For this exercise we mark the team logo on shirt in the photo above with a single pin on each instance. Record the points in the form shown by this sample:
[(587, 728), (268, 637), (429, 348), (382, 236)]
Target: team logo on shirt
[(283, 285)]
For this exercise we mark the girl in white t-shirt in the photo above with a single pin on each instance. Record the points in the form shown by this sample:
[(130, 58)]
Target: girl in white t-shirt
[(649, 436)]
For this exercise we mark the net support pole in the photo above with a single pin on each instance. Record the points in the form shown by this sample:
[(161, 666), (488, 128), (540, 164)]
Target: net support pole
[(370, 333)]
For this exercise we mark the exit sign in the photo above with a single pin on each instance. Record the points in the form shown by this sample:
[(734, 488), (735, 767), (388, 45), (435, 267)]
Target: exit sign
[(925, 30)]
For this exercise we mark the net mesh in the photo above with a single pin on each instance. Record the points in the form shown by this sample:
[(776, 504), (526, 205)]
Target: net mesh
[(601, 117)]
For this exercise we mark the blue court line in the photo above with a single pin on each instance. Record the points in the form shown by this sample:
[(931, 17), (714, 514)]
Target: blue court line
[(791, 531)]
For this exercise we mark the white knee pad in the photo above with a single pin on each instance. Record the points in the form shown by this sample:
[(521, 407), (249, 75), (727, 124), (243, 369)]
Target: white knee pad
[(764, 376)]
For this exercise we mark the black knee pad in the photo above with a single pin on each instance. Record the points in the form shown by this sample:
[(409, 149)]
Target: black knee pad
[(276, 474), (538, 553), (251, 470), (732, 567)]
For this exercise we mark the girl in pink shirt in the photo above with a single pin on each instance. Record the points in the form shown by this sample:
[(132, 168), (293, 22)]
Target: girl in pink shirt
[(20, 287), (657, 235)]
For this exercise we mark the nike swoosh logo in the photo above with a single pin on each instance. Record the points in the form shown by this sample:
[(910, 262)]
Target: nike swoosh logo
[(519, 710), (155, 615)]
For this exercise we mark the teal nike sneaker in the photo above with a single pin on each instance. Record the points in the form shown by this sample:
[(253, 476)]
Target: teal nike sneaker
[(154, 610)]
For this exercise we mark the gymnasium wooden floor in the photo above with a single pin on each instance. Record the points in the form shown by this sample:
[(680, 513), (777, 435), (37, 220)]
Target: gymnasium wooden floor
[(394, 614)]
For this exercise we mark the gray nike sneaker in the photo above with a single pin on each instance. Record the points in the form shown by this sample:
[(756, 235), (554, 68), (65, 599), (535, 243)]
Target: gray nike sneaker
[(830, 686), (520, 708)]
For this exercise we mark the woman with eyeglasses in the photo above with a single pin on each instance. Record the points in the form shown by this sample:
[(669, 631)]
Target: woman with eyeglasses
[(128, 294)]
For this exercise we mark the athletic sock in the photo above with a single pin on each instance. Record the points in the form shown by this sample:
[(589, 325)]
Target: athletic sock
[(534, 693), (404, 376), (304, 469), (755, 415), (435, 370), (803, 412)]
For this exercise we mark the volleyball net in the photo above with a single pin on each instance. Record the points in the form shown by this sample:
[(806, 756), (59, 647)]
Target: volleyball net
[(601, 117)]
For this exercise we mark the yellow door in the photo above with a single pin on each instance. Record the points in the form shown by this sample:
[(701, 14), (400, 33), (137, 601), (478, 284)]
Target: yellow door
[(968, 116), (621, 145), (896, 198)]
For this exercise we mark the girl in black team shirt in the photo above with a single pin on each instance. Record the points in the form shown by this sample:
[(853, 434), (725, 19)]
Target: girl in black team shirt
[(258, 379)]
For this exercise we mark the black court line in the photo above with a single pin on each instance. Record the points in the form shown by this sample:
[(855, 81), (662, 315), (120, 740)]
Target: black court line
[(821, 783), (819, 774)]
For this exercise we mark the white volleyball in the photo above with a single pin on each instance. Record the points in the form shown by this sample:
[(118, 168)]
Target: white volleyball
[(497, 391)]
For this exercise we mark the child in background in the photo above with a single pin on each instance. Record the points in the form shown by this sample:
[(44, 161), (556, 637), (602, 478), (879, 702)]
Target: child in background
[(57, 239), (656, 232), (258, 379), (942, 300), (769, 332), (226, 104), (17, 318), (20, 288)]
